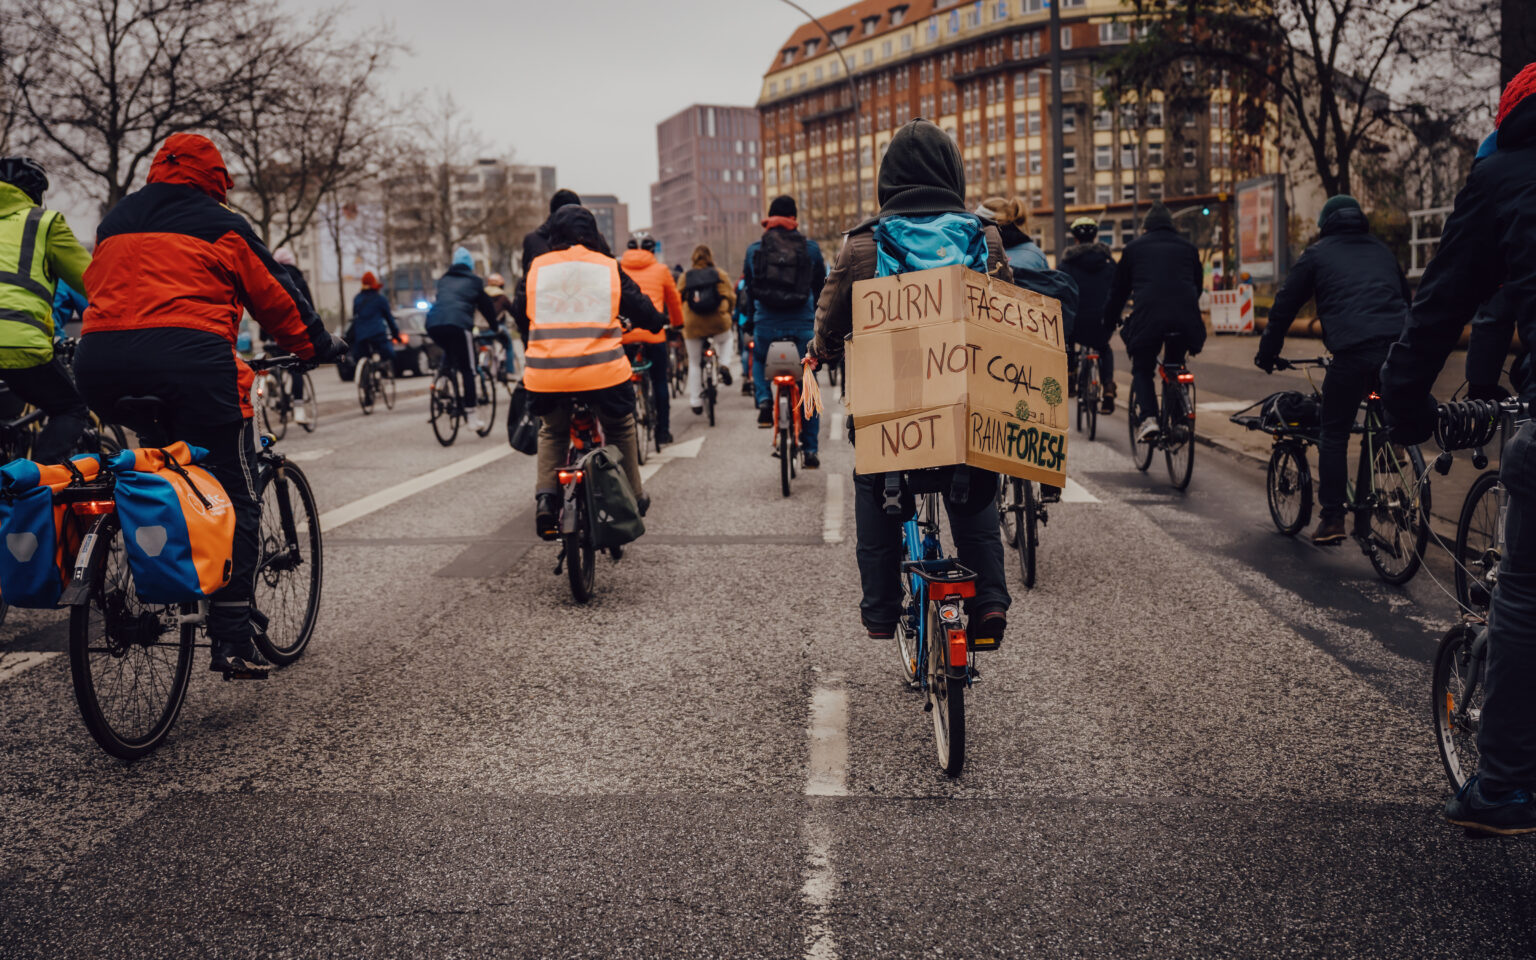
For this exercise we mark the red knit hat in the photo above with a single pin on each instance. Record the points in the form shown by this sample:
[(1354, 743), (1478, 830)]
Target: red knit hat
[(370, 282), (1515, 93)]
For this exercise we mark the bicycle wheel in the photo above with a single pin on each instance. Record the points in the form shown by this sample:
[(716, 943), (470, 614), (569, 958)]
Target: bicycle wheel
[(444, 408), (1477, 543), (1289, 488), (486, 387), (709, 396), (1009, 498), (130, 662), (1029, 533), (907, 646), (1141, 453), (643, 420), (580, 557), (365, 386), (1399, 517), (1093, 395), (1458, 702), (947, 696), (384, 385), (786, 427), (290, 568), (311, 404), (273, 394), (1179, 434)]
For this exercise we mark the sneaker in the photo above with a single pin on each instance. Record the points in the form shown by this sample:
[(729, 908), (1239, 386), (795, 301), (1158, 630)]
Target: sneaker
[(880, 631), (1330, 530), (1107, 403), (725, 375), (546, 517), (300, 414), (476, 421), (238, 659), (810, 461), (1148, 431), (764, 417), (697, 408), (664, 437), (985, 631), (1507, 816), (746, 387), (644, 503)]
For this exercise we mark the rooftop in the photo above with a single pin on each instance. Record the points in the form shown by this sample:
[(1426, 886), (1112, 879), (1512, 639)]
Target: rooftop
[(858, 21)]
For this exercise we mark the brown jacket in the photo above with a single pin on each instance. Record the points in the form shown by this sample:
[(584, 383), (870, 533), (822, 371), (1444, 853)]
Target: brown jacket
[(696, 326), (856, 261)]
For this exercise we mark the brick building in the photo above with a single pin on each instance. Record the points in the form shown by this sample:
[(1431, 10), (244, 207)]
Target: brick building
[(980, 70), (709, 187), (612, 218)]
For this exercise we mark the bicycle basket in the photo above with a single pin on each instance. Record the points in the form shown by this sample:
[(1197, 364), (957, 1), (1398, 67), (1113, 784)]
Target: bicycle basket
[(1279, 414)]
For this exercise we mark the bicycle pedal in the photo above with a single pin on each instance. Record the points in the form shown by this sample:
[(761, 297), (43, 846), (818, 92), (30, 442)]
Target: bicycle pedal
[(981, 644), (246, 674)]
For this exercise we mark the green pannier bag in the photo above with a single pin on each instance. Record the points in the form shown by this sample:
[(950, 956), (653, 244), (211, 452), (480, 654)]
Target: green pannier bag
[(611, 503)]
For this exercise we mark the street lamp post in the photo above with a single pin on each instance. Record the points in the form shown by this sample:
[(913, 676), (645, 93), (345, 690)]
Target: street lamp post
[(1058, 175), (853, 89)]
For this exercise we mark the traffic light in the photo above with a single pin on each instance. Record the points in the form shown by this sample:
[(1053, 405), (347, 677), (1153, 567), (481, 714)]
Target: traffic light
[(1205, 211)]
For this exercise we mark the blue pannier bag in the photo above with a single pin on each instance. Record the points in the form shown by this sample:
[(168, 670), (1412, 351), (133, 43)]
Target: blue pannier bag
[(40, 538), (178, 523), (910, 244)]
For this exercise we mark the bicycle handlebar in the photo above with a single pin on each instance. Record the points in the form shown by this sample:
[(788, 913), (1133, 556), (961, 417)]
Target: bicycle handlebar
[(286, 361), (1281, 363)]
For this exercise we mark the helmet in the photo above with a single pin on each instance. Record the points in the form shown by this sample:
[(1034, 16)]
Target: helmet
[(496, 280), (648, 243), (25, 174), (1085, 229)]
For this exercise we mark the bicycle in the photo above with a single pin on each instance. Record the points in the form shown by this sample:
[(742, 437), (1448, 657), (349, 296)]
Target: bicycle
[(271, 397), (578, 551), (18, 434), (677, 362), (782, 368), (131, 662), (445, 405), (1391, 507), (375, 381), (1090, 393), (931, 636), (1175, 425), (1461, 661), (1021, 512), (645, 405), (708, 364)]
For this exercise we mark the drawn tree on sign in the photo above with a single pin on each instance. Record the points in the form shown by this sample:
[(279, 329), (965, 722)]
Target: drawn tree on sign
[(1022, 410), (1050, 390)]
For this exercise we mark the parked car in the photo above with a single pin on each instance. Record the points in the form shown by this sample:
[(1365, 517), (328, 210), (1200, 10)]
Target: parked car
[(417, 354)]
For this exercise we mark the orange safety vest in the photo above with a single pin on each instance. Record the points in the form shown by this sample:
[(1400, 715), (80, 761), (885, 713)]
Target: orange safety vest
[(573, 323)]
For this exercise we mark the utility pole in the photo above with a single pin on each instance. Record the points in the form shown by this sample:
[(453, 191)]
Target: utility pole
[(1058, 175), (853, 90)]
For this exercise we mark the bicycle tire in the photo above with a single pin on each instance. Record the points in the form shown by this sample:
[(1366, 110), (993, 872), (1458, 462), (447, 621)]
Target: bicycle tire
[(365, 386), (1457, 740), (1141, 453), (274, 406), (947, 695), (386, 387), (1008, 498), (643, 417), (709, 398), (1029, 532), (290, 617), (161, 702), (486, 387), (1393, 502), (1093, 410), (1288, 488), (444, 413), (786, 427), (1477, 544), (580, 557), (1179, 422), (907, 648), (312, 404)]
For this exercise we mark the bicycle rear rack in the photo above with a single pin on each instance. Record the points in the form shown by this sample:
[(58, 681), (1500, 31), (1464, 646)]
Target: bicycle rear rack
[(947, 578)]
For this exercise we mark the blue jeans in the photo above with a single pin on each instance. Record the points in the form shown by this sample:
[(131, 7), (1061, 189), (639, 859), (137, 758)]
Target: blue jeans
[(801, 333), (1507, 737), (380, 345)]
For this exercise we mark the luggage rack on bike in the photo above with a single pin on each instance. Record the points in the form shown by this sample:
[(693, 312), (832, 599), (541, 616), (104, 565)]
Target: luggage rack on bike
[(946, 577)]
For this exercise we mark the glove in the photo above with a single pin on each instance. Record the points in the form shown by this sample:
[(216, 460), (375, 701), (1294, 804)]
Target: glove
[(332, 351), (1486, 391), (1265, 362), (1413, 423)]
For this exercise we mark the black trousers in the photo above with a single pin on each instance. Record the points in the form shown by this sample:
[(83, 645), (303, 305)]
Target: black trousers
[(1352, 375), (972, 525), (660, 389), (1507, 736), (49, 388), (458, 354), (1144, 370)]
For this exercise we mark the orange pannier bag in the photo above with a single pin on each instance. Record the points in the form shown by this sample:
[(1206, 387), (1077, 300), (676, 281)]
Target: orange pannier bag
[(178, 523), (40, 538)]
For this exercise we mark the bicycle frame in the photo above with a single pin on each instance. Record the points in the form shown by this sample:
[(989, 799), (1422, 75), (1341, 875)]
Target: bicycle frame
[(586, 436), (932, 577)]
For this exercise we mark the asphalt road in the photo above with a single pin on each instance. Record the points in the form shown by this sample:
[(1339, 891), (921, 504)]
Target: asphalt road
[(1200, 739)]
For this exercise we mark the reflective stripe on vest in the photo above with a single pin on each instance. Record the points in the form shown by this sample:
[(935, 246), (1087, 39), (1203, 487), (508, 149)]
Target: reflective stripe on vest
[(26, 290), (573, 323)]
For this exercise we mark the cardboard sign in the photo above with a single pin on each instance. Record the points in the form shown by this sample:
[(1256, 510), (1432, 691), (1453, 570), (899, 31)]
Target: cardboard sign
[(961, 433), (954, 295)]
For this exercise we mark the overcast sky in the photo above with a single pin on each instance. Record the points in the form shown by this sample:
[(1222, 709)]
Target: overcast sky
[(581, 84)]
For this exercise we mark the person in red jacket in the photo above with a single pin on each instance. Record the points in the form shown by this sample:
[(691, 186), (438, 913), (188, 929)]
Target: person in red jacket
[(173, 273)]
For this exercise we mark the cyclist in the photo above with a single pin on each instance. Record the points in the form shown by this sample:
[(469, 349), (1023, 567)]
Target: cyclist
[(784, 273), (744, 335), (575, 353), (708, 303), (655, 281), (1362, 303), (1092, 266), (496, 289), (373, 324), (284, 258), (1161, 271), (37, 249), (536, 242), (68, 305), (174, 270), (921, 175), (1488, 240), (1011, 218), (451, 325)]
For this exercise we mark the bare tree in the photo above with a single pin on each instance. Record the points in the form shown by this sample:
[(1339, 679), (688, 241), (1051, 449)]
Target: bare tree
[(441, 199)]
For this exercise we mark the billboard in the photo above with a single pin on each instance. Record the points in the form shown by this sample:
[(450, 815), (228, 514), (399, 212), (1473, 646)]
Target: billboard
[(1261, 239)]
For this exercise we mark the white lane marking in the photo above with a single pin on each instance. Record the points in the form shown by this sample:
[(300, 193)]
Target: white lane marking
[(818, 891), (1074, 492), (678, 451), (832, 515), (305, 456), (827, 774), (374, 502), (1223, 406), (13, 663)]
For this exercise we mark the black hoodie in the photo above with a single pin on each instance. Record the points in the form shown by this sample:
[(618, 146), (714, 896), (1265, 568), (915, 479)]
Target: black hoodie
[(572, 226), (1092, 267)]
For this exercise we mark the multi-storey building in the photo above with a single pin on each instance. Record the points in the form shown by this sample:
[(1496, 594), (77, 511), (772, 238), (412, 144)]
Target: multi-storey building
[(612, 217), (709, 183), (980, 70)]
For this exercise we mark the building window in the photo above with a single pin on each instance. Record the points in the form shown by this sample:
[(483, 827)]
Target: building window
[(1189, 190), (1019, 81), (1068, 78), (1107, 231), (1034, 84), (1128, 116), (1189, 156), (1187, 69), (1066, 38), (898, 14), (885, 50), (818, 73), (1127, 191), (1068, 121), (869, 56), (789, 56), (1114, 32), (1154, 154), (1034, 162), (1034, 121), (1127, 231), (773, 177), (906, 41), (773, 88), (810, 48), (1103, 157), (1019, 121), (1103, 119), (1021, 163), (1103, 193), (1128, 156), (1069, 194), (1069, 159), (1191, 118), (1155, 191), (1155, 113), (1072, 4), (1034, 199)]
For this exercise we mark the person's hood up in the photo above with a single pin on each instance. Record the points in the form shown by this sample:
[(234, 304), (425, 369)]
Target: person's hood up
[(573, 225), (1158, 218), (1091, 255), (1518, 128), (563, 198), (13, 200), (922, 173), (1345, 219), (192, 160), (463, 258), (637, 259), (702, 257)]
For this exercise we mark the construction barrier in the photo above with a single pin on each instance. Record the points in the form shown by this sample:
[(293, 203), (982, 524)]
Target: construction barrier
[(1232, 310)]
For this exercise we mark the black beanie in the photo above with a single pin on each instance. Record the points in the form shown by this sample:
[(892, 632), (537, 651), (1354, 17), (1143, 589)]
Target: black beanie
[(783, 206), (1158, 218), (563, 198)]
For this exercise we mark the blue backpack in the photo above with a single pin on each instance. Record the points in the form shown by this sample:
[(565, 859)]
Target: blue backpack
[(910, 244)]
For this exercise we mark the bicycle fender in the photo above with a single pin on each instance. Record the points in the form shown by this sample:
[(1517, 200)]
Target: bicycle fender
[(88, 563)]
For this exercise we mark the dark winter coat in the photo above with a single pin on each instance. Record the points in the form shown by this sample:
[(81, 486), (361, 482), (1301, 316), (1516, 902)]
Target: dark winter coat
[(460, 292), (573, 226), (1161, 271), (371, 316), (297, 277), (1092, 266), (1361, 293)]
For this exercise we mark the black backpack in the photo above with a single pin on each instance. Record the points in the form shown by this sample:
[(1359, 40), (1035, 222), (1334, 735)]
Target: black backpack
[(701, 291), (781, 271)]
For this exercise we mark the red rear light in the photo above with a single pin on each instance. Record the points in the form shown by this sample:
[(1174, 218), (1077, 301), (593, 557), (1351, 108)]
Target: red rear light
[(957, 648), (634, 378), (95, 508), (1375, 395), (566, 476), (709, 352), (783, 378), (1186, 378), (405, 338)]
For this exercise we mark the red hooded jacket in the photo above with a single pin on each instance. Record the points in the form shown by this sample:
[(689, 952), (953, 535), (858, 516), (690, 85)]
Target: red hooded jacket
[(172, 255)]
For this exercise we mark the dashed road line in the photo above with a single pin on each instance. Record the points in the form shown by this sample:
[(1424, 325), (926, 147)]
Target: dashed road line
[(827, 773), (12, 664), (1074, 492), (826, 776), (375, 502), (832, 516), (687, 450)]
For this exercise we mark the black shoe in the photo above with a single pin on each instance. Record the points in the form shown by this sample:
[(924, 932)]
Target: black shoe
[(664, 437), (765, 416), (725, 375), (746, 388), (546, 519), (1510, 815), (880, 631), (1049, 494), (238, 660), (1330, 530), (698, 409), (985, 631), (810, 461), (644, 504)]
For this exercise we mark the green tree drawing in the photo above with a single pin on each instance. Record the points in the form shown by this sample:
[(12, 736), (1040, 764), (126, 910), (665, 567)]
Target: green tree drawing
[(1050, 390), (1022, 410)]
